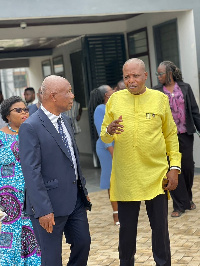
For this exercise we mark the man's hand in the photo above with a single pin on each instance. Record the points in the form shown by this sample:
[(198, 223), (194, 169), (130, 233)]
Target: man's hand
[(172, 176), (115, 127), (47, 222)]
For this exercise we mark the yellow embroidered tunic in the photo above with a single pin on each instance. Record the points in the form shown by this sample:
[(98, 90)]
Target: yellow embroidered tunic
[(139, 159)]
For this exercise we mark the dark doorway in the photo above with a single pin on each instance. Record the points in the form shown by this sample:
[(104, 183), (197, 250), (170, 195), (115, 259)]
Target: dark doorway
[(77, 73), (103, 59)]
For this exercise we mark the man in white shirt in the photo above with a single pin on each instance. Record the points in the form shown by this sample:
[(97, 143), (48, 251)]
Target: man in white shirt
[(56, 195)]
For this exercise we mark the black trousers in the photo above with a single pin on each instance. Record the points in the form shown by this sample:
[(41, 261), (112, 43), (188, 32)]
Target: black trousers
[(182, 195), (157, 210)]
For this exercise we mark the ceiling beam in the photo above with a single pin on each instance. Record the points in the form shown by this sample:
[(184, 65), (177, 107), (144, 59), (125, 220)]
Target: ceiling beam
[(28, 53)]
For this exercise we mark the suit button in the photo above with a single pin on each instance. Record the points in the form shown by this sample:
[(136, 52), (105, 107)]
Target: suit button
[(74, 182), (72, 166)]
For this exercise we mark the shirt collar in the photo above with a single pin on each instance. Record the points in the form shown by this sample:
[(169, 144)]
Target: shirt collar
[(53, 118)]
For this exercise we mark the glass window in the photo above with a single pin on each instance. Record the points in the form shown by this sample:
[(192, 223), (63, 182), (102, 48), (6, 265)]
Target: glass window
[(14, 81), (137, 43), (138, 48), (166, 42)]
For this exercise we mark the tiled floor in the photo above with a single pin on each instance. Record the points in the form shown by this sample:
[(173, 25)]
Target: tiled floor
[(184, 231)]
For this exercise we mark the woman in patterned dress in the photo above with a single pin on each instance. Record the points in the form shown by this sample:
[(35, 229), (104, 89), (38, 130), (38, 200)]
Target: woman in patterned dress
[(18, 245)]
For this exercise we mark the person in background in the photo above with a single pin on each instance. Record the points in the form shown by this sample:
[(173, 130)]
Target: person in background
[(1, 97), (57, 198), (34, 107), (29, 95), (120, 85), (75, 115), (2, 122), (140, 123), (18, 245), (186, 115), (97, 105)]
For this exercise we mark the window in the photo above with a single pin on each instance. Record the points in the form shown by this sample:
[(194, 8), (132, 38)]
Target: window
[(20, 80), (138, 48), (166, 42), (58, 66), (46, 68), (137, 43), (14, 81), (105, 56)]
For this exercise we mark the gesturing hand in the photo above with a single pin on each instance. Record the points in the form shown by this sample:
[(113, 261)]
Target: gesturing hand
[(115, 127), (47, 222)]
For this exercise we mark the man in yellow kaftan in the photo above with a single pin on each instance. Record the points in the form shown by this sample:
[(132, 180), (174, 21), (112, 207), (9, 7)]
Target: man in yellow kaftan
[(140, 122)]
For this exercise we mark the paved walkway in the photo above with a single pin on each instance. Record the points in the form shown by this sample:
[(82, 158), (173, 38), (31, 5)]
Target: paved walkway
[(184, 234)]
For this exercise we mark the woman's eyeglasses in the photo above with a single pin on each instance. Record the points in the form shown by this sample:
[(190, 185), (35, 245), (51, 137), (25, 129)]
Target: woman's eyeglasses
[(160, 73), (19, 110)]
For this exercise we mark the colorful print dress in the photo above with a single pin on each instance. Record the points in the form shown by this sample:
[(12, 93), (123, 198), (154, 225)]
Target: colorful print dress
[(18, 245)]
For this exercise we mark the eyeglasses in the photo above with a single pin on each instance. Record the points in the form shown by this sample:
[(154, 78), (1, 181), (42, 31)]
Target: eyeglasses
[(160, 74), (19, 110)]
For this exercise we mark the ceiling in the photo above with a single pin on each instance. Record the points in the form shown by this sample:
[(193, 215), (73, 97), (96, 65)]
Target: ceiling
[(12, 45), (27, 44), (64, 20)]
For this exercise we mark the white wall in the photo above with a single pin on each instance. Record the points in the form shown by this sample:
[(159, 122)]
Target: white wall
[(62, 30), (65, 51), (187, 51), (197, 151), (187, 44), (35, 71)]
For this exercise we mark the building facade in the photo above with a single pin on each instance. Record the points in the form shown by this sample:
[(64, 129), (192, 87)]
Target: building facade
[(98, 36)]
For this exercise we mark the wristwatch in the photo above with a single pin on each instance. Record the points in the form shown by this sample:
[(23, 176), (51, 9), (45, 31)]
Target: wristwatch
[(107, 131)]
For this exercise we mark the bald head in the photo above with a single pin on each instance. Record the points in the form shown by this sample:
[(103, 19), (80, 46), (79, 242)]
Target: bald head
[(57, 94), (136, 61), (52, 84), (135, 76)]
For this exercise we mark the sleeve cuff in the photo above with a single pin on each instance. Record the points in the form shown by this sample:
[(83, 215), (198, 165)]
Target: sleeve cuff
[(107, 132), (175, 167)]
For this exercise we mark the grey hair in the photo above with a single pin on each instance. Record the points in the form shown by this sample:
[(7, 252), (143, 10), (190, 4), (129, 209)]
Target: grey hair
[(135, 60), (97, 97), (103, 89)]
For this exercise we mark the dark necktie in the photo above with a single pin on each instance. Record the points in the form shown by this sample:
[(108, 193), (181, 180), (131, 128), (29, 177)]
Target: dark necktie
[(64, 137)]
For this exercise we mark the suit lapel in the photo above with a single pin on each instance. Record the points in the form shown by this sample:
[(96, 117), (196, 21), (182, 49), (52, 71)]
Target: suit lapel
[(184, 91), (52, 130)]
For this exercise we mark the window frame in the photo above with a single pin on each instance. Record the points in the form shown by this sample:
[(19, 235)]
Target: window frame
[(58, 58), (46, 63), (138, 55)]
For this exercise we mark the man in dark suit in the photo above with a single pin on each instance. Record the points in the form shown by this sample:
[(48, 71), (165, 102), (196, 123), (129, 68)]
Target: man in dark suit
[(34, 107), (56, 197)]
